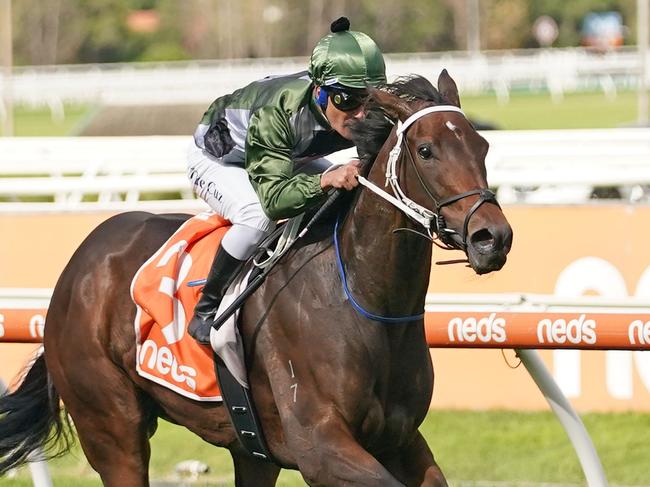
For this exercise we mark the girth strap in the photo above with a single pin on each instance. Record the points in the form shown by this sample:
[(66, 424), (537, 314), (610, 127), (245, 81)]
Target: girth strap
[(242, 412)]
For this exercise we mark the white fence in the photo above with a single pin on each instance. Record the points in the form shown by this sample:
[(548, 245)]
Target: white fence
[(556, 70), (117, 173), (569, 166)]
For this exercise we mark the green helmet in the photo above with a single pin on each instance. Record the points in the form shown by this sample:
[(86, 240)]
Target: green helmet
[(347, 58)]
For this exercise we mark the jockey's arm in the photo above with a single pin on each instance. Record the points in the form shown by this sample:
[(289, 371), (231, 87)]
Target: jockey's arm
[(270, 167)]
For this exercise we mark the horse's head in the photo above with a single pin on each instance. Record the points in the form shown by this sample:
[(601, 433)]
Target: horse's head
[(435, 164)]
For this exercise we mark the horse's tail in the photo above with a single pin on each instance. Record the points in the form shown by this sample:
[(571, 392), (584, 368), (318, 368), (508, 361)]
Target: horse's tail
[(31, 419)]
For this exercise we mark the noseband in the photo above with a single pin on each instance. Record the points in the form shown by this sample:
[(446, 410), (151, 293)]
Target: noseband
[(432, 221)]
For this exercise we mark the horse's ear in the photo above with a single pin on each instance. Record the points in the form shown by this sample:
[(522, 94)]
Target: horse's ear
[(394, 106), (447, 88)]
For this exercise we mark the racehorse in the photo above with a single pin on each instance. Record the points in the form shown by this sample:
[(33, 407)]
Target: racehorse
[(335, 347)]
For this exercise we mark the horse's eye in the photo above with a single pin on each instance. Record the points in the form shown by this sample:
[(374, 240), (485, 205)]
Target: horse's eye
[(424, 151)]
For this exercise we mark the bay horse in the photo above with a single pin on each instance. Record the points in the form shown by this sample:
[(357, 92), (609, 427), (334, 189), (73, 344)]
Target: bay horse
[(340, 395)]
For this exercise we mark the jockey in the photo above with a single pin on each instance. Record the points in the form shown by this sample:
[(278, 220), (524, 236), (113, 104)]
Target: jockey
[(256, 149)]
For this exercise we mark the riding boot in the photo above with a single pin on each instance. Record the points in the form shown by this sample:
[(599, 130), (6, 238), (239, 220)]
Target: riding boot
[(223, 271)]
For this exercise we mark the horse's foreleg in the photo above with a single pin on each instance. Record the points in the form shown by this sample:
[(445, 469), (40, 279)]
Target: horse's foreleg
[(415, 466), (328, 455), (253, 472)]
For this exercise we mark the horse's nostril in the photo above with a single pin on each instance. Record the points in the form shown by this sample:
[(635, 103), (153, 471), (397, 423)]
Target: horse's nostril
[(482, 240)]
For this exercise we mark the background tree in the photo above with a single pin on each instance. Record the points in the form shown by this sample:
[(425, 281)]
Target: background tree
[(79, 31)]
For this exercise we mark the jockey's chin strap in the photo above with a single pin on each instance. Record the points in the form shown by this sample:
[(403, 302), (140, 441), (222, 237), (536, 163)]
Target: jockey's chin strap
[(432, 221)]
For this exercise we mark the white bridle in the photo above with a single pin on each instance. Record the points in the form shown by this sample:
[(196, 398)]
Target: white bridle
[(413, 210)]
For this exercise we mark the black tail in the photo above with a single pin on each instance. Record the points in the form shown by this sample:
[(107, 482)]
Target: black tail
[(31, 418)]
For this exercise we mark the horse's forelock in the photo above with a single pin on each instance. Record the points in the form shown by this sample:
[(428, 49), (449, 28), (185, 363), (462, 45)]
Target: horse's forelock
[(370, 133), (414, 88)]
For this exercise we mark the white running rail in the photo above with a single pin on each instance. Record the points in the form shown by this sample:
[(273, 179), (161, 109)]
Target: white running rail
[(122, 173)]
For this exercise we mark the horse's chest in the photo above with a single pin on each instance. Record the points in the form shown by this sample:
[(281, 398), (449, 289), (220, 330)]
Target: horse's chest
[(399, 404), (382, 428)]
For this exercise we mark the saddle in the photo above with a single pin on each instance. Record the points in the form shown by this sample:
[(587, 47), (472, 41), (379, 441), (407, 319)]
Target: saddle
[(165, 290)]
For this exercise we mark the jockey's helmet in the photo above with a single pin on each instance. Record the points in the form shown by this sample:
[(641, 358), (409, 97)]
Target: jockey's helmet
[(346, 59)]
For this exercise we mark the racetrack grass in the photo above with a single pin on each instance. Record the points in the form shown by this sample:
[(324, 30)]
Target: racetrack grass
[(538, 111), (508, 448), (39, 122)]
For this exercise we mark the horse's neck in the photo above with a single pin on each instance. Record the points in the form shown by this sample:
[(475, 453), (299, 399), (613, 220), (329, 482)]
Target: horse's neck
[(388, 272)]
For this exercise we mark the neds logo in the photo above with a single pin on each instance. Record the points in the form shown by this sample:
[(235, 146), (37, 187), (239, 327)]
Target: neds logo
[(37, 325), (575, 331), (487, 329), (641, 331), (162, 359)]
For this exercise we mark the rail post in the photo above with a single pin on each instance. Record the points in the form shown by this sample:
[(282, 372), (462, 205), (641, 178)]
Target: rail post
[(573, 425)]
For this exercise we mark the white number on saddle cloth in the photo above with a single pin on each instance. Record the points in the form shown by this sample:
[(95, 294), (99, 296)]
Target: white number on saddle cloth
[(169, 286)]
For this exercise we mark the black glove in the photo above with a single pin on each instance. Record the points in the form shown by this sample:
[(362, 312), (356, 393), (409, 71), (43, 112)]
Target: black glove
[(217, 139)]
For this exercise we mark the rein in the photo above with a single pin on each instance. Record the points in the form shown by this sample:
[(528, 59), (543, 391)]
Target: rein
[(432, 221), (353, 302)]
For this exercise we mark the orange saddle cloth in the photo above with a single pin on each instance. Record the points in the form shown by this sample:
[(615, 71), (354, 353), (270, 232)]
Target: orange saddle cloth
[(164, 296)]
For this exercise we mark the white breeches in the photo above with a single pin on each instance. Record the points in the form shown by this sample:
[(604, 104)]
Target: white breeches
[(227, 189)]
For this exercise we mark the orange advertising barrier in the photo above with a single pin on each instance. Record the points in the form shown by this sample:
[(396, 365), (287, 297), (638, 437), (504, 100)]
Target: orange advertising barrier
[(598, 250), (462, 329), (23, 325), (555, 330)]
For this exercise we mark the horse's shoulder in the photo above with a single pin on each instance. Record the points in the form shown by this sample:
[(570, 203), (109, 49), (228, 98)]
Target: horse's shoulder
[(322, 231), (319, 236)]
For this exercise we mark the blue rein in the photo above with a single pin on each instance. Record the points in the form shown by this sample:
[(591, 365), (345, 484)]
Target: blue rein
[(355, 305)]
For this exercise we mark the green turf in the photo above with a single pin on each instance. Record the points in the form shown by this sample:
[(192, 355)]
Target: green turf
[(41, 122), (538, 111), (470, 446)]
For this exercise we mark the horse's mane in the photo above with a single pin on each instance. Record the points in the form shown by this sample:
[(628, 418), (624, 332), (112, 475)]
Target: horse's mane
[(370, 133)]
